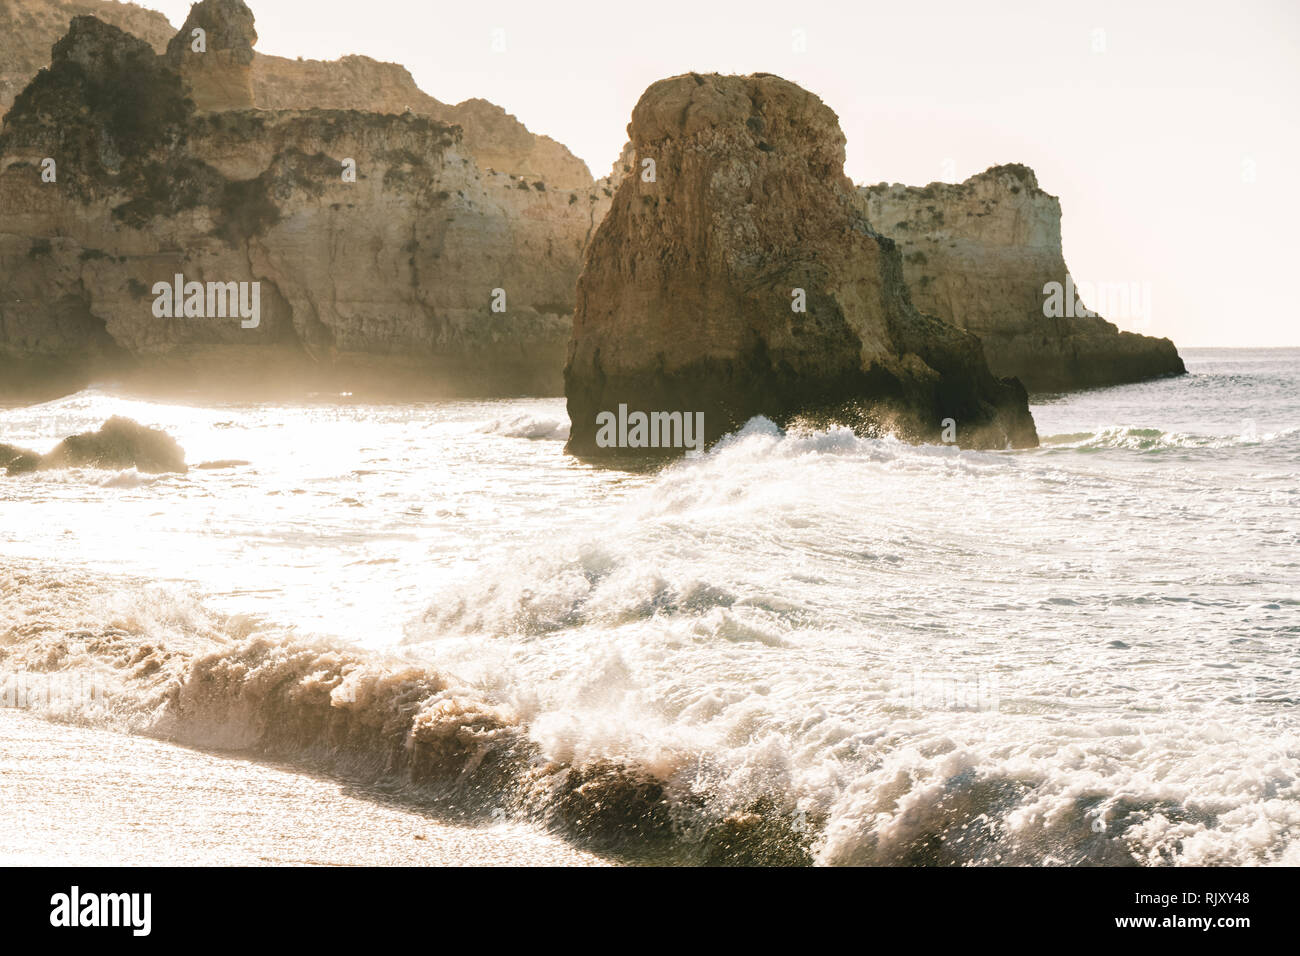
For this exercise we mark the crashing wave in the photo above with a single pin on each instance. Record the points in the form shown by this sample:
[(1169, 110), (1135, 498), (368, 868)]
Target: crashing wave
[(898, 794), (533, 427), (1155, 440)]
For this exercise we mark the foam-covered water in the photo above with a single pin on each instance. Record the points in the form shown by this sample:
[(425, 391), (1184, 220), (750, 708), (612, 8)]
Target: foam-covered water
[(847, 650)]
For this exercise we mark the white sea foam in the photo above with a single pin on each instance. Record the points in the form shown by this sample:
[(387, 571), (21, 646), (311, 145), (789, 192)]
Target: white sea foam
[(535, 427), (130, 478), (1081, 653)]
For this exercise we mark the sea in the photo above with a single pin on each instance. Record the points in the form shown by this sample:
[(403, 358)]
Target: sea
[(797, 646)]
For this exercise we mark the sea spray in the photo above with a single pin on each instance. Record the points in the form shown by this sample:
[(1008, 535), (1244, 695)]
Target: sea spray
[(413, 731)]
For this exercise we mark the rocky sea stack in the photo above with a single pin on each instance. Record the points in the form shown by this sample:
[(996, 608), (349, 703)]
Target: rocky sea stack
[(735, 276), (979, 254)]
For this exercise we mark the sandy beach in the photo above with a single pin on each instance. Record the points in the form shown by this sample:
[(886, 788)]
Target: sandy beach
[(83, 797)]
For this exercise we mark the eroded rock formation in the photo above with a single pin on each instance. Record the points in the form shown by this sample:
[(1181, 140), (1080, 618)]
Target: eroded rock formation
[(978, 254), (118, 443), (213, 52), (427, 270), (239, 76), (689, 297), (498, 141), (28, 28), (450, 204)]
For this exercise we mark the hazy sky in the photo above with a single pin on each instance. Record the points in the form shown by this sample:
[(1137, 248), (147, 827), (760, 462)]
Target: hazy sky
[(1170, 130)]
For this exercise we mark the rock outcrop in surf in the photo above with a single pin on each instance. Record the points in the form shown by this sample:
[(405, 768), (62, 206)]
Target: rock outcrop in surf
[(17, 461), (119, 443), (982, 254), (735, 276)]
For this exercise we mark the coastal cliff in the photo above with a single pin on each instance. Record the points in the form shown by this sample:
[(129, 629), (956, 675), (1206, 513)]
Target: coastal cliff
[(979, 254), (384, 255), (450, 262), (734, 276), (498, 140), (239, 77)]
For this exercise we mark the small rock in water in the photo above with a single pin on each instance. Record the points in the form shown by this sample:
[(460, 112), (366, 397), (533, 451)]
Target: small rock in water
[(15, 461), (120, 443)]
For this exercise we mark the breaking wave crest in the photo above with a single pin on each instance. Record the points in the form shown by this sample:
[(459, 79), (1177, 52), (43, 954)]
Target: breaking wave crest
[(131, 478), (533, 427), (429, 738), (1133, 438), (158, 663), (420, 733), (792, 765)]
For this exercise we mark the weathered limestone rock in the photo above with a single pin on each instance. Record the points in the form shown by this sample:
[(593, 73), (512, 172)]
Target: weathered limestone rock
[(979, 253), (28, 28), (389, 282), (498, 141), (519, 209), (216, 63), (119, 443), (687, 297), (18, 461)]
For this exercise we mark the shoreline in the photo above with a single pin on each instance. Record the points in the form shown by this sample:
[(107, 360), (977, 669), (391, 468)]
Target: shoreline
[(80, 796)]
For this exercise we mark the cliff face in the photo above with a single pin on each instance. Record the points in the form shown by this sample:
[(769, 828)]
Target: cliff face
[(498, 141), (690, 293), (426, 270), (28, 28), (978, 254), (517, 211), (237, 76)]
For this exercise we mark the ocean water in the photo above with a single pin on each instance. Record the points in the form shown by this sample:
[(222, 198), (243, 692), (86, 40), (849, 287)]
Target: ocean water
[(844, 650)]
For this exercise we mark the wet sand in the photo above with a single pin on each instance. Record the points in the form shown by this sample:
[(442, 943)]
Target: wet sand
[(84, 797)]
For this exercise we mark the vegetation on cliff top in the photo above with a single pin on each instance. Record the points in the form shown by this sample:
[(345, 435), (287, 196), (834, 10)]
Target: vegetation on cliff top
[(105, 100)]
